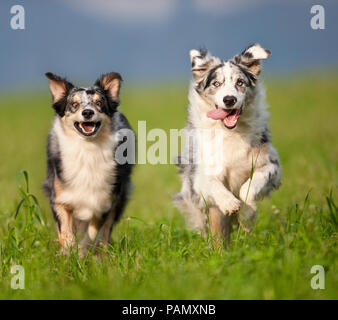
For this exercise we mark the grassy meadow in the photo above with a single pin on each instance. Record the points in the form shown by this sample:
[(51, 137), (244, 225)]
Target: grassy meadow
[(153, 256)]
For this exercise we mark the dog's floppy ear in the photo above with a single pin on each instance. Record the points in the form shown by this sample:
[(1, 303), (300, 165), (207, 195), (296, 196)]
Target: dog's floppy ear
[(201, 61), (110, 83), (59, 87), (251, 58)]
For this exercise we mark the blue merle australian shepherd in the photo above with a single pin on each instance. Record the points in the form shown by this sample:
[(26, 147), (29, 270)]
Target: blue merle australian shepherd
[(87, 188), (227, 124)]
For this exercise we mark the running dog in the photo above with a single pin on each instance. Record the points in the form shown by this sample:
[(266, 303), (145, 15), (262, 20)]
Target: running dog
[(87, 188), (229, 162)]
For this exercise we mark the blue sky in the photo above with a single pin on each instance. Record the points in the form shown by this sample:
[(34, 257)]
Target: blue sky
[(149, 40)]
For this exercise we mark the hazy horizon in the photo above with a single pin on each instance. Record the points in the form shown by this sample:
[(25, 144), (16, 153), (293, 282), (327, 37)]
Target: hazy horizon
[(149, 41)]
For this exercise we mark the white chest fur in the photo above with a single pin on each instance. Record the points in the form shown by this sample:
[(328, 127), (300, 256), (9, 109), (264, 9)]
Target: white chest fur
[(227, 157), (218, 152), (88, 169), (226, 154)]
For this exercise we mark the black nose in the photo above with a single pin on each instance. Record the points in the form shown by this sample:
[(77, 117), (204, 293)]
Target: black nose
[(229, 101), (87, 113)]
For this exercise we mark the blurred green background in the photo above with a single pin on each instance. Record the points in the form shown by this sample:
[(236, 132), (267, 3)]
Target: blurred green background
[(153, 255)]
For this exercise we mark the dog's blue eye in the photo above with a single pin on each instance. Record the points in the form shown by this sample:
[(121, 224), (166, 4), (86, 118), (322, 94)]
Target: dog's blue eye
[(240, 82), (216, 84)]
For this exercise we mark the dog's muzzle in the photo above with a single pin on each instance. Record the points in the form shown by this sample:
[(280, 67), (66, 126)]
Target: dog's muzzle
[(87, 128)]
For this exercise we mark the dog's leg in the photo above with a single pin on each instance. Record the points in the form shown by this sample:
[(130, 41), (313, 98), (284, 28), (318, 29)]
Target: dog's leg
[(91, 234), (98, 232), (196, 218), (220, 227), (80, 227), (213, 190), (104, 235), (111, 217), (247, 218), (264, 180), (64, 226)]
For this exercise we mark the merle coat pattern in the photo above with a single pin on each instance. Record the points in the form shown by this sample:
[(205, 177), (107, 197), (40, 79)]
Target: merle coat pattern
[(227, 104), (87, 188)]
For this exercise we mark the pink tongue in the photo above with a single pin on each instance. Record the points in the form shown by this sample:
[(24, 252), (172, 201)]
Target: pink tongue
[(217, 114), (229, 119)]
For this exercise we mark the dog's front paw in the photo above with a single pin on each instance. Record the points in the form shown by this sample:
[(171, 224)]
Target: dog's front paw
[(230, 206)]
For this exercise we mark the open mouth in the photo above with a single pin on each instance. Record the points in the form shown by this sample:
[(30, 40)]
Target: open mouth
[(229, 117), (87, 128)]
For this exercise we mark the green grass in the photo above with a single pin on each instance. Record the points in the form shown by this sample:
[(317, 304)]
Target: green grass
[(153, 256)]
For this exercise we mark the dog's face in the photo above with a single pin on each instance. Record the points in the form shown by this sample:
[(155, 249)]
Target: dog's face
[(85, 110), (227, 85)]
